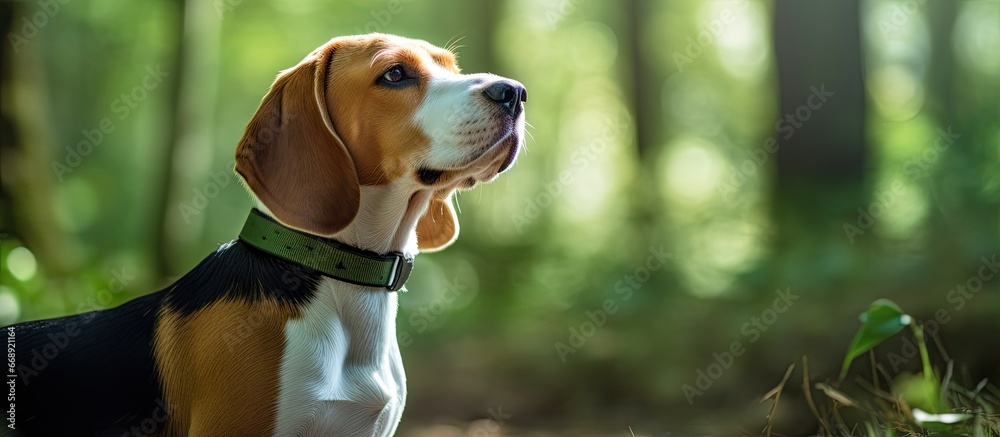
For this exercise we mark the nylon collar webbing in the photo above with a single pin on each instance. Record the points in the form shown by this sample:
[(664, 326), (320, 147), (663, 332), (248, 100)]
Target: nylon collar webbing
[(329, 257)]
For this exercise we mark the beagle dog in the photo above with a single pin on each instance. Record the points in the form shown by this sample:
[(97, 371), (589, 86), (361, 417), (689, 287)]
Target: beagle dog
[(351, 159)]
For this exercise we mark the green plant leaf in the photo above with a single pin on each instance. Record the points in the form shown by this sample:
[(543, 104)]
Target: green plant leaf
[(882, 320), (922, 394)]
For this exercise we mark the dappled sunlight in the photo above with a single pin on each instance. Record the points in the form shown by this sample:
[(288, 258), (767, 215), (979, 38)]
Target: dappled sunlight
[(901, 208), (594, 47), (22, 264), (977, 37), (743, 41), (519, 40), (717, 238), (590, 168), (716, 253), (897, 93), (895, 28), (540, 15), (691, 171), (587, 205), (735, 244), (10, 307), (579, 160), (710, 180), (901, 142), (899, 39)]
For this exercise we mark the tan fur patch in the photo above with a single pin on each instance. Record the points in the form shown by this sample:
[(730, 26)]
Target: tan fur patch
[(375, 121), (220, 367)]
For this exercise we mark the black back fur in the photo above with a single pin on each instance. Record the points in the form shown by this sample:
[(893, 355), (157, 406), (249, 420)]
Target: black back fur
[(95, 374)]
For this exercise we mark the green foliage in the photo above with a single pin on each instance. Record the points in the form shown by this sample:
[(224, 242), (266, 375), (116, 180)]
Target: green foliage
[(914, 404), (882, 320)]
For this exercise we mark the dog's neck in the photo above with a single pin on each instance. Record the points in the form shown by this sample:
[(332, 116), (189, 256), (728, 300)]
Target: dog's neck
[(387, 219), (356, 324)]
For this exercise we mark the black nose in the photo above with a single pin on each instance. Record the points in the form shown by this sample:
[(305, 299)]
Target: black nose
[(508, 94)]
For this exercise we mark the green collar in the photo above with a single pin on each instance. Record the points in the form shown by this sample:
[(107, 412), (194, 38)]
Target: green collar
[(331, 258)]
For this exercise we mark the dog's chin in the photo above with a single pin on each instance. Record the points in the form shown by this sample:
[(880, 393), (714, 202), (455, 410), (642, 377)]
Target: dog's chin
[(497, 159), (512, 146), (506, 154), (486, 167)]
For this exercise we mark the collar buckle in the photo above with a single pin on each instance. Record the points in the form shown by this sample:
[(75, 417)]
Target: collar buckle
[(401, 271)]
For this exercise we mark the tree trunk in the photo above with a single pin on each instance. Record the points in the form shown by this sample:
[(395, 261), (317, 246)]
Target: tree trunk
[(644, 100), (821, 161), (188, 153), (942, 65), (25, 148), (644, 95)]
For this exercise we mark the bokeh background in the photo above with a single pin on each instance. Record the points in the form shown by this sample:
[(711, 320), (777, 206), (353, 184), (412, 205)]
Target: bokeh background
[(698, 173)]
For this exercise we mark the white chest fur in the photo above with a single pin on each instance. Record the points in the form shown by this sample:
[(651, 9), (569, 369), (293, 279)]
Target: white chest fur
[(341, 373)]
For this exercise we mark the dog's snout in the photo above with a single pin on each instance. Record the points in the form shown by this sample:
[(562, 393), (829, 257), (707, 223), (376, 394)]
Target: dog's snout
[(508, 94)]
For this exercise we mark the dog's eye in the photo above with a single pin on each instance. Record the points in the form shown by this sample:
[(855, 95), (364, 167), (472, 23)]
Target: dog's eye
[(395, 74)]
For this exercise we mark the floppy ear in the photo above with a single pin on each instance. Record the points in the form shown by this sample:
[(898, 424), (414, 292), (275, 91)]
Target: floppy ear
[(438, 228), (292, 159)]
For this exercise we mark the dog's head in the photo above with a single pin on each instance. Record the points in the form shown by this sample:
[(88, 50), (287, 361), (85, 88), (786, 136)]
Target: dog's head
[(371, 110)]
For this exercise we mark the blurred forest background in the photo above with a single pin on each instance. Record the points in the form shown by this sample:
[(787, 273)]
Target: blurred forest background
[(699, 173)]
